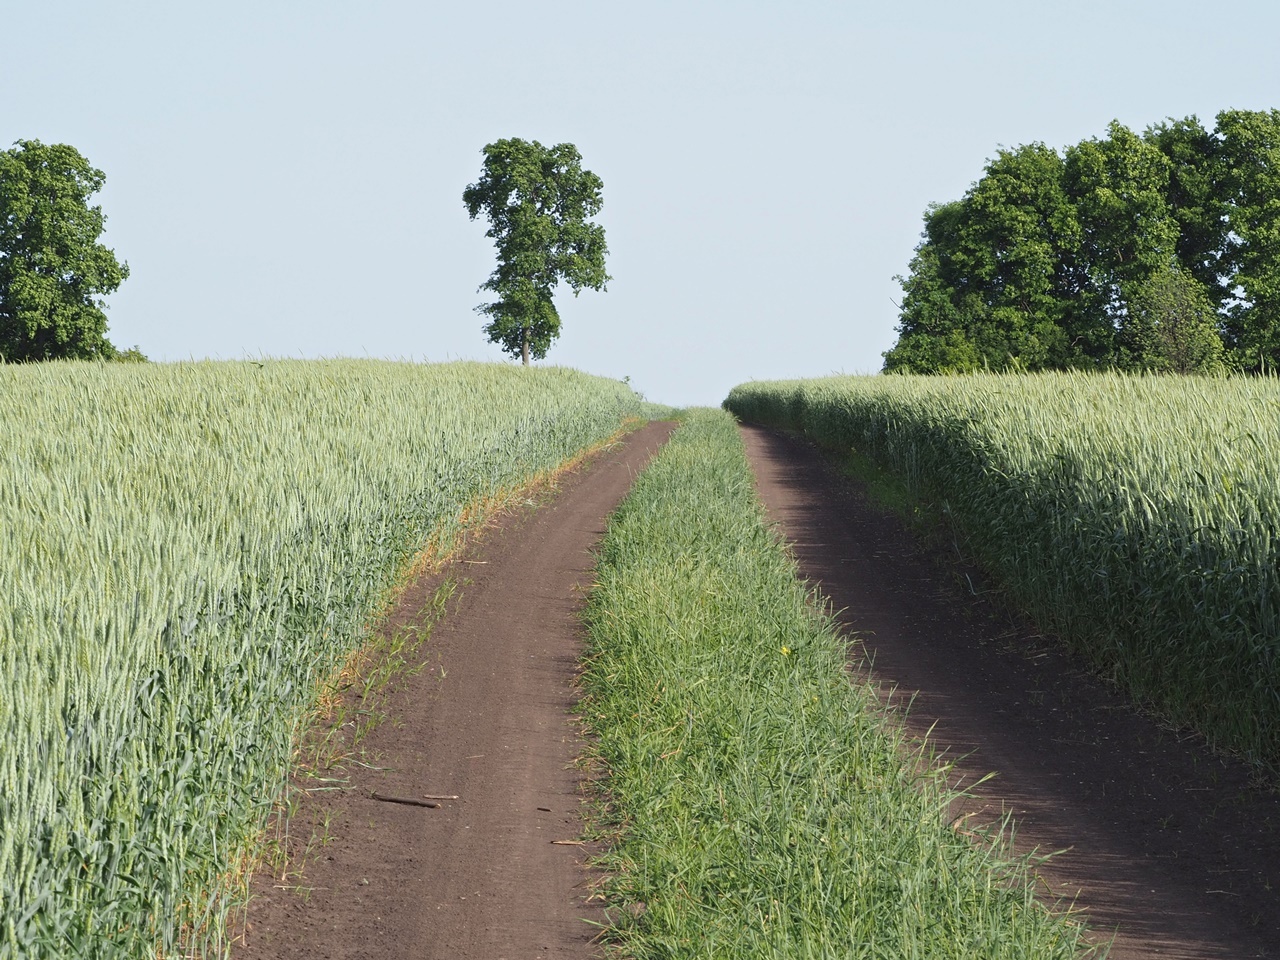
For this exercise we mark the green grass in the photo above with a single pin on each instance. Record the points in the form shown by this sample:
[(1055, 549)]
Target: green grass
[(189, 551), (759, 804), (1138, 517)]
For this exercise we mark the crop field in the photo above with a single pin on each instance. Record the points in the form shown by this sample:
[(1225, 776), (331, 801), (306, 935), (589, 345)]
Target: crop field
[(188, 551), (1135, 516), (756, 802)]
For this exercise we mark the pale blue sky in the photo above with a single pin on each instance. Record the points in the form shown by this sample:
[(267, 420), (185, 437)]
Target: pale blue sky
[(286, 178)]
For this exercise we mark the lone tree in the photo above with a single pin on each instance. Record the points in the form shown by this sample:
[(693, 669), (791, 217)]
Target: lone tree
[(53, 270), (537, 200)]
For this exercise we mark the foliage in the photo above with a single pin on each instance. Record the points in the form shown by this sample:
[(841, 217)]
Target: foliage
[(1035, 267), (763, 805), (53, 270), (1118, 188), (189, 550), (1250, 145), (132, 355), (991, 285), (1197, 199), (1170, 326), (537, 200), (1135, 516)]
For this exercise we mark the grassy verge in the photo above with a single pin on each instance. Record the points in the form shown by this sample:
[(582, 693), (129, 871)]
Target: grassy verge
[(758, 803)]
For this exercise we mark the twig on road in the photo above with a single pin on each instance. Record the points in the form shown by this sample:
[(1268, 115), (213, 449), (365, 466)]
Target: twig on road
[(409, 801)]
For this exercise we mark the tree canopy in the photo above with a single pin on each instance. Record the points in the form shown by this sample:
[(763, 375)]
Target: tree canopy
[(537, 200), (53, 271), (1121, 251)]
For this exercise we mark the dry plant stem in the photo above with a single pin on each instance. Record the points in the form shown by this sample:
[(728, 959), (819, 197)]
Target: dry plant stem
[(407, 801)]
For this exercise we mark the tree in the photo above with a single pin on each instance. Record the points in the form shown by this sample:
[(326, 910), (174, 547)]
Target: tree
[(537, 200), (936, 319), (1250, 145), (992, 282), (1080, 260), (1119, 188), (53, 270), (1171, 325), (1197, 198)]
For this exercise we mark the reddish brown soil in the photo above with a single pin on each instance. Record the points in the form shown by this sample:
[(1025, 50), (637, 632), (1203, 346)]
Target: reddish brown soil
[(1173, 849), (490, 721)]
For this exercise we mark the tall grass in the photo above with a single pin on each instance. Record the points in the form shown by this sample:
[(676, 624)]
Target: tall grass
[(760, 804), (187, 549), (1137, 516)]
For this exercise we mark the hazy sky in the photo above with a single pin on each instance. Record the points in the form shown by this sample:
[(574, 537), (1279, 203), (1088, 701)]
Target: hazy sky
[(285, 179)]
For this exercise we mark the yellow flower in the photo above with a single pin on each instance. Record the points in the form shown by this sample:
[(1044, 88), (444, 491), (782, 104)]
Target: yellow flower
[(786, 651)]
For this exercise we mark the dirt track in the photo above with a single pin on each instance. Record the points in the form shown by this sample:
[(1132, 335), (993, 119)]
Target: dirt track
[(1169, 847), (479, 877)]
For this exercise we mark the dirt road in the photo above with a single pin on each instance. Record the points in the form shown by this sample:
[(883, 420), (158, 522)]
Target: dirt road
[(481, 876), (1169, 847)]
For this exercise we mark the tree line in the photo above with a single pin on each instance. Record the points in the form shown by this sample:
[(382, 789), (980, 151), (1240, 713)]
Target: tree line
[(1157, 251)]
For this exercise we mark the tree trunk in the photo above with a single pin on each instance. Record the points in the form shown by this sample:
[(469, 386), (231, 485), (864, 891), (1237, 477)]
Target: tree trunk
[(524, 346)]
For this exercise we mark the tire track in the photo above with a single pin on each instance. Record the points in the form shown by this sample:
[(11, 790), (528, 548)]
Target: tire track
[(1169, 847), (486, 875)]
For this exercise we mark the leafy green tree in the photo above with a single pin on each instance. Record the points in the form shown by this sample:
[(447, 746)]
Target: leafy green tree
[(1250, 145), (1197, 199), (1118, 185), (53, 270), (935, 320), (132, 355), (1099, 256), (993, 279), (537, 200), (1170, 325), (1025, 227)]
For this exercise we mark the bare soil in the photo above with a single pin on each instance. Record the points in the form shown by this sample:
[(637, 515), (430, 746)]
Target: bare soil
[(1171, 848), (499, 872)]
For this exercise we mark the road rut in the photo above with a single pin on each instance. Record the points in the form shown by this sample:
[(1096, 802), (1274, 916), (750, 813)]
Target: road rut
[(1174, 850), (482, 876)]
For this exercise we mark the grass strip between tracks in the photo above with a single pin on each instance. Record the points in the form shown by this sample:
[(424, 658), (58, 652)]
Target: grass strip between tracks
[(757, 802)]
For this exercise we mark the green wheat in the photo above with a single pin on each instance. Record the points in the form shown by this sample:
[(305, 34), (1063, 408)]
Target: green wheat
[(187, 550)]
